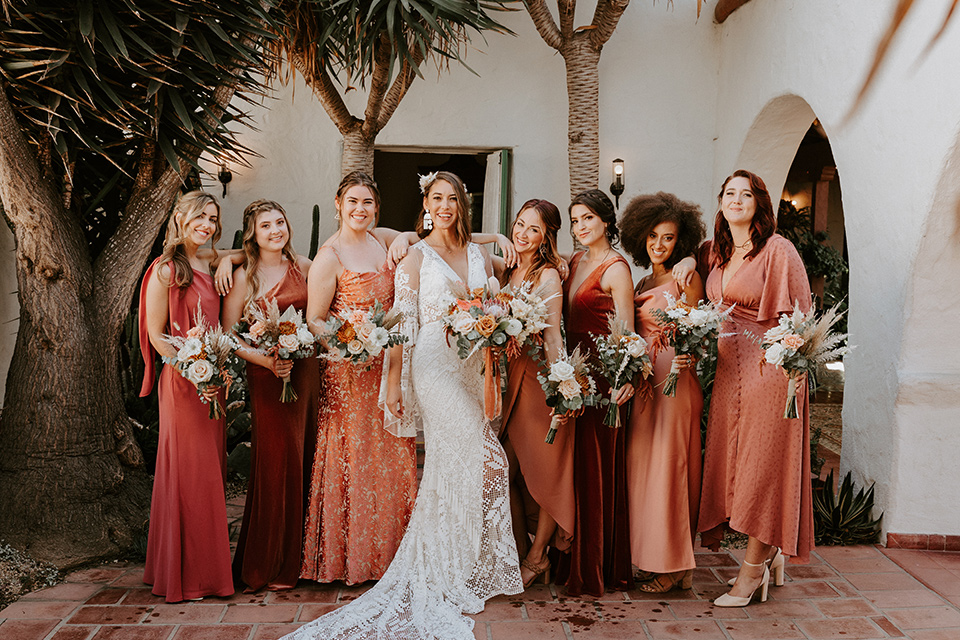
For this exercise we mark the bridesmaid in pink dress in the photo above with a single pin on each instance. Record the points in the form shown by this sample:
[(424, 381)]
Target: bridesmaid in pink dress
[(268, 550), (542, 471), (188, 550), (600, 282), (364, 478), (756, 474), (663, 437)]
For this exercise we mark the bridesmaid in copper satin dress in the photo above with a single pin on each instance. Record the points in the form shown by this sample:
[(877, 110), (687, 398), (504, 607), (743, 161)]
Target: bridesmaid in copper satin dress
[(188, 550), (364, 478), (269, 546), (542, 471), (599, 283), (663, 437), (756, 474)]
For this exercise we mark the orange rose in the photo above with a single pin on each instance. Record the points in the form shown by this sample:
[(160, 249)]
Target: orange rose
[(346, 333), (287, 328), (486, 325)]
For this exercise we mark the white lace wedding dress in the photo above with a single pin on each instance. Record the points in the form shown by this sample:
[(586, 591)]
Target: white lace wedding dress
[(458, 550)]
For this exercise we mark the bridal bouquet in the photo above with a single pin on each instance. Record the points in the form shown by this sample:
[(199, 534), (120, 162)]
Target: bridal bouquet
[(498, 320), (285, 335), (568, 387), (799, 343), (360, 335), (206, 357), (623, 355), (689, 329)]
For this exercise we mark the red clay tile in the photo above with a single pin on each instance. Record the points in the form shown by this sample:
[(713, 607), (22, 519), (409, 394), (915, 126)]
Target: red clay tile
[(185, 613), (908, 540), (878, 564), (639, 610), (133, 633), (721, 559), (846, 608), (348, 593), (562, 611), (96, 575), (705, 575), (925, 617), (67, 591), (107, 596), (142, 596), (703, 609), (73, 633), (537, 592), (943, 581), (708, 588), (883, 581), (947, 559), (829, 554), (785, 609), (313, 611), (762, 630), (273, 631), (919, 597), (847, 628), (500, 611), (261, 613), (892, 541), (685, 630), (27, 629), (936, 542), (114, 614), (805, 589), (844, 588), (480, 631), (239, 597), (23, 609), (305, 593), (885, 624), (130, 578), (951, 543), (810, 572), (911, 558), (214, 632), (936, 634), (606, 630), (527, 630)]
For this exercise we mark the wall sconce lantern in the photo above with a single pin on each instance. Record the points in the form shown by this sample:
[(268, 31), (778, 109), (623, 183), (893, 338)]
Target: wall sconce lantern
[(616, 187), (224, 176)]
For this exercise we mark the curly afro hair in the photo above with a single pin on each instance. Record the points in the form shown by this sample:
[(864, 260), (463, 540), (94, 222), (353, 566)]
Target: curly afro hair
[(645, 212)]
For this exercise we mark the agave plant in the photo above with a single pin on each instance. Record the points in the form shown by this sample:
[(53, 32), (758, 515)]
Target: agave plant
[(845, 518)]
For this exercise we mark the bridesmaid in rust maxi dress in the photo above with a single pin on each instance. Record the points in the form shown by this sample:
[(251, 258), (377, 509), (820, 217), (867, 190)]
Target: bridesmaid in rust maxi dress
[(599, 283), (188, 550), (663, 436), (544, 470), (269, 546), (756, 474), (364, 478)]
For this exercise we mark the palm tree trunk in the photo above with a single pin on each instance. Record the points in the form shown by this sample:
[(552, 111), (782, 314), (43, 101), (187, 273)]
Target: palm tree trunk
[(582, 60), (357, 151)]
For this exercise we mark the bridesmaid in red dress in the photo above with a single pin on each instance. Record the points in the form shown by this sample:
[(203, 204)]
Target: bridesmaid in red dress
[(756, 474), (663, 437), (542, 471), (364, 478), (600, 282), (268, 550), (188, 550)]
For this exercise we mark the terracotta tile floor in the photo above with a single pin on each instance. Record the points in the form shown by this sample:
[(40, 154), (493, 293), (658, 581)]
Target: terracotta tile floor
[(846, 592)]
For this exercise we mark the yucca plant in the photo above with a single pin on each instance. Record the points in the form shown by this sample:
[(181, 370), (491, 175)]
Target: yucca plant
[(845, 518)]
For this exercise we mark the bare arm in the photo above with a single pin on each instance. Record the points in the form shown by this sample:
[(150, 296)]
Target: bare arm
[(407, 292), (321, 287), (158, 310), (618, 282), (551, 287), (224, 275), (230, 314)]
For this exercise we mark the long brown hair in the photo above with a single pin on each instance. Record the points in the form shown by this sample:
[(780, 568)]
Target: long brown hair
[(763, 225), (190, 206), (252, 250), (462, 230), (546, 256), (358, 179), (600, 204)]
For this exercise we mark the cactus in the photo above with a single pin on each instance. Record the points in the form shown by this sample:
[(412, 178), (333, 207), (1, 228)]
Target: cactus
[(238, 239), (315, 232)]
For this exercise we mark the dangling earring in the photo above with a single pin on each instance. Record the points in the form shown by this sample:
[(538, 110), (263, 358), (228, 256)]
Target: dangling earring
[(543, 249), (337, 215), (427, 220)]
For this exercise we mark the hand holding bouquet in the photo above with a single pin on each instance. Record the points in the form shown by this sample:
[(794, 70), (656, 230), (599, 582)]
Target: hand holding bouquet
[(689, 330), (285, 336), (623, 355), (799, 343), (205, 357), (568, 387), (360, 335)]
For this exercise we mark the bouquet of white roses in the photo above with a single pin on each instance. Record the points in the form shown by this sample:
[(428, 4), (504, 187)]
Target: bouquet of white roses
[(285, 335), (623, 355), (689, 330), (800, 342), (206, 357), (360, 335), (568, 387)]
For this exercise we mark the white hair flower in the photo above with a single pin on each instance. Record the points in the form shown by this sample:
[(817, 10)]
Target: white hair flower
[(426, 181)]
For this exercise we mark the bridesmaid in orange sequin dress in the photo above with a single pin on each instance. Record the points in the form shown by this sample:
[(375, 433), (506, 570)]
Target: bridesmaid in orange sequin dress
[(268, 550), (188, 550), (756, 473), (364, 478), (600, 282), (663, 436), (544, 470)]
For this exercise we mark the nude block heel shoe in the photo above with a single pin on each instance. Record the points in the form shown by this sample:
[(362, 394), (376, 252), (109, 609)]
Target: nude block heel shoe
[(727, 600), (776, 565)]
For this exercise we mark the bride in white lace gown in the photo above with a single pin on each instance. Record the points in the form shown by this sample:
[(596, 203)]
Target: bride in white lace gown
[(458, 550)]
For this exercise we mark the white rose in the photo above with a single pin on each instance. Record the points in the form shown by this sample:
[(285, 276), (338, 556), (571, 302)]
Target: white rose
[(777, 333), (364, 331), (514, 327), (199, 372), (379, 337), (374, 349), (698, 316), (190, 348), (519, 307), (775, 353), (560, 371), (355, 347), (289, 341), (463, 322), (569, 389), (636, 348), (304, 336)]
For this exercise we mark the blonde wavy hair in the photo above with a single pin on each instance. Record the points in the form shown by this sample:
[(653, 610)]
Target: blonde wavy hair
[(189, 207)]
